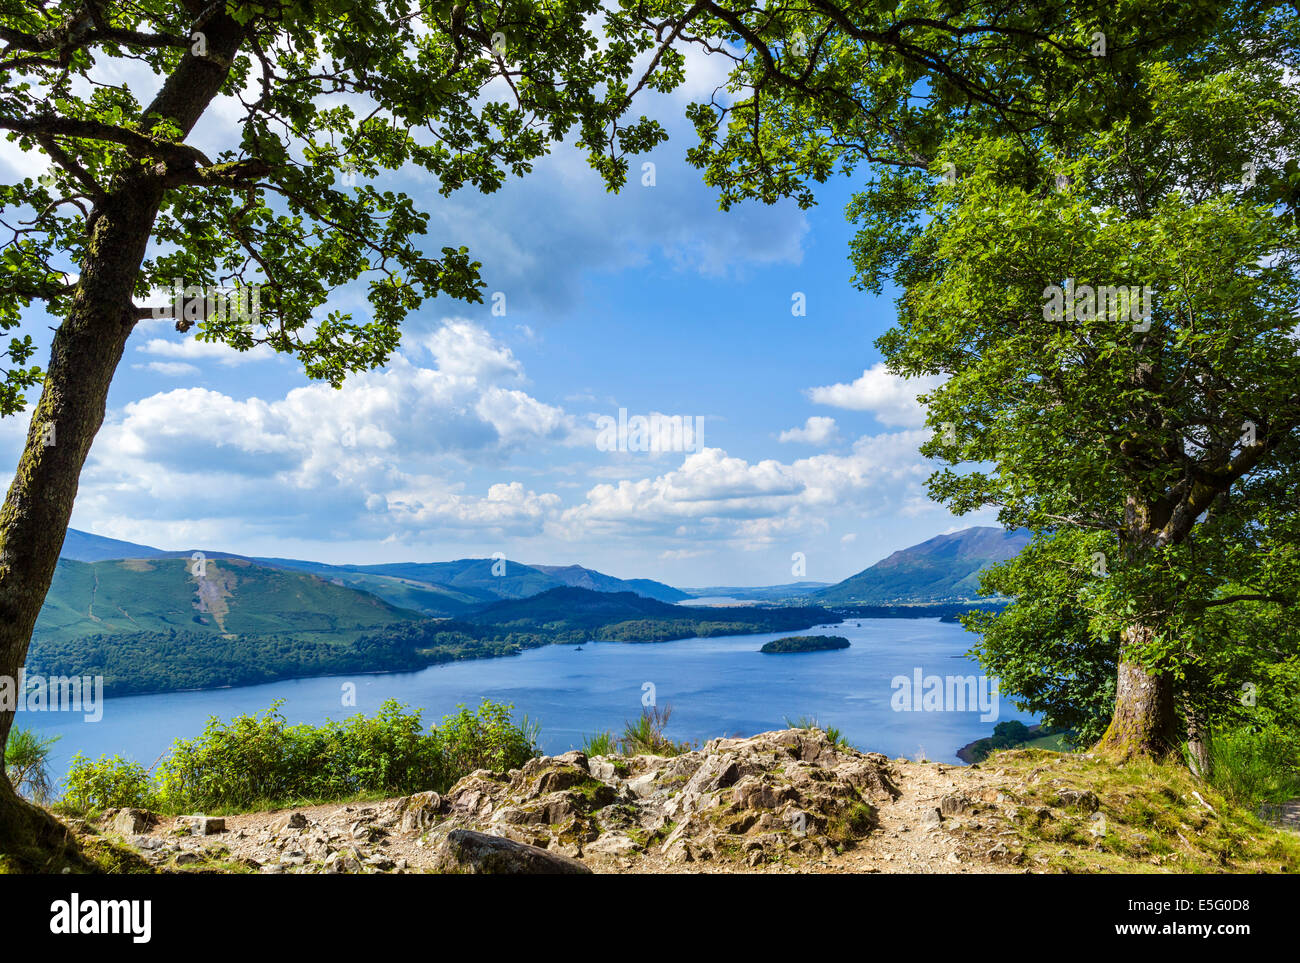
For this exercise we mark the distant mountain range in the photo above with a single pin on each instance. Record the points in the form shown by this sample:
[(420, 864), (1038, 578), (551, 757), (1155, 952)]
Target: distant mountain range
[(234, 597), (943, 569), (152, 620), (441, 589), (96, 592)]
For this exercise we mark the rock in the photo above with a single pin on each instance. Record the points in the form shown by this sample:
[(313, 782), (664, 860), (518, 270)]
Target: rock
[(602, 768), (293, 821), (146, 843), (1078, 799), (931, 819), (614, 844), (202, 825), (466, 851), (186, 858), (955, 803), (130, 822)]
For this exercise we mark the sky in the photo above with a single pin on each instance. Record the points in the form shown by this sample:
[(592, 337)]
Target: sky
[(481, 435)]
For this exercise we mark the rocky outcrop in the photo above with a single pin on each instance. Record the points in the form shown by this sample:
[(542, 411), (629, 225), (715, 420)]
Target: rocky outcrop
[(779, 798), (465, 851), (779, 795)]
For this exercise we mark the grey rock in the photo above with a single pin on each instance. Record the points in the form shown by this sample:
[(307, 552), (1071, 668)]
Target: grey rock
[(465, 851), (202, 825)]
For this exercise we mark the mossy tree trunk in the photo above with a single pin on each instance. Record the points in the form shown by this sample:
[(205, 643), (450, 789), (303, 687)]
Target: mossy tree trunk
[(84, 355), (1145, 722)]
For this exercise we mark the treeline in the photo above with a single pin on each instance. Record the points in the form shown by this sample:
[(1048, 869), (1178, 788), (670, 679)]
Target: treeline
[(142, 662)]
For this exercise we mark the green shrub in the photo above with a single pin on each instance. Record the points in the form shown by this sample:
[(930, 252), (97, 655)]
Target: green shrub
[(27, 763), (106, 783), (645, 735), (260, 761)]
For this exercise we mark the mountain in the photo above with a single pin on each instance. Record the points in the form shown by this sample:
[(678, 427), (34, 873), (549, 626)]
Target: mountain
[(758, 593), (85, 547), (626, 616), (945, 568), (234, 596), (576, 576), (440, 589)]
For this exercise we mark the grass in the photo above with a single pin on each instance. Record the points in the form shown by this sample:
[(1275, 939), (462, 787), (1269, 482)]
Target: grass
[(1152, 819), (835, 736), (643, 736)]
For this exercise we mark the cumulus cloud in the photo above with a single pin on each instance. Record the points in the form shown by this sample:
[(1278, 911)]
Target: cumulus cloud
[(373, 455), (716, 495), (887, 396), (817, 430)]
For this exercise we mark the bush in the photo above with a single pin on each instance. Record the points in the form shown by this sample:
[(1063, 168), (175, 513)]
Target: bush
[(107, 783), (260, 761), (27, 763)]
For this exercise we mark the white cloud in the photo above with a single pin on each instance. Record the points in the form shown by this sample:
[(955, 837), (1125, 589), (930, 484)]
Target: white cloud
[(887, 396), (173, 369), (194, 350), (373, 456), (817, 430)]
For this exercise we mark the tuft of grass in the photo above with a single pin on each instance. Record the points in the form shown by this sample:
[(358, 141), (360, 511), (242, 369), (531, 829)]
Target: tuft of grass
[(601, 744), (1254, 769), (27, 764), (835, 736), (645, 735)]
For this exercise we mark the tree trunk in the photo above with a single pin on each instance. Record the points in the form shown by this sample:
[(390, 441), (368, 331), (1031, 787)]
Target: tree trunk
[(1144, 722), (83, 357)]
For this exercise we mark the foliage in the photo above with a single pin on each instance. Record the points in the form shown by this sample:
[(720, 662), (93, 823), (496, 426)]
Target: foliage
[(809, 722), (601, 744), (805, 643), (1255, 767), (645, 735), (108, 783), (261, 761), (27, 763), (1154, 453)]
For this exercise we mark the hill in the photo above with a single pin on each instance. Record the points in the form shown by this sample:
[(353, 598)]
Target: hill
[(85, 547), (576, 576), (575, 614), (944, 568), (233, 597)]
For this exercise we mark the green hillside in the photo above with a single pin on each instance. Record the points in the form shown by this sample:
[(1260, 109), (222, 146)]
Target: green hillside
[(235, 597), (945, 568)]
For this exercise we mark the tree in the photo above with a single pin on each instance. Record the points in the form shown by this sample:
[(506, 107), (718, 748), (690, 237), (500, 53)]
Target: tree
[(471, 93), (1101, 261)]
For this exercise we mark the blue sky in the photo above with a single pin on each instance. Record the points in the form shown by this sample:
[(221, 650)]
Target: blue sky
[(479, 436)]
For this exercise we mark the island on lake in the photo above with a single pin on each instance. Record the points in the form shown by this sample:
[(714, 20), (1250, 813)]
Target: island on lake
[(805, 643)]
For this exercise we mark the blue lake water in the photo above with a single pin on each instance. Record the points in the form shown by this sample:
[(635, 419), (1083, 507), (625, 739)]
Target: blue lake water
[(719, 686)]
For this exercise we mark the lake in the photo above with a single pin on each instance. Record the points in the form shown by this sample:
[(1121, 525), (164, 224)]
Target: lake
[(719, 686)]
